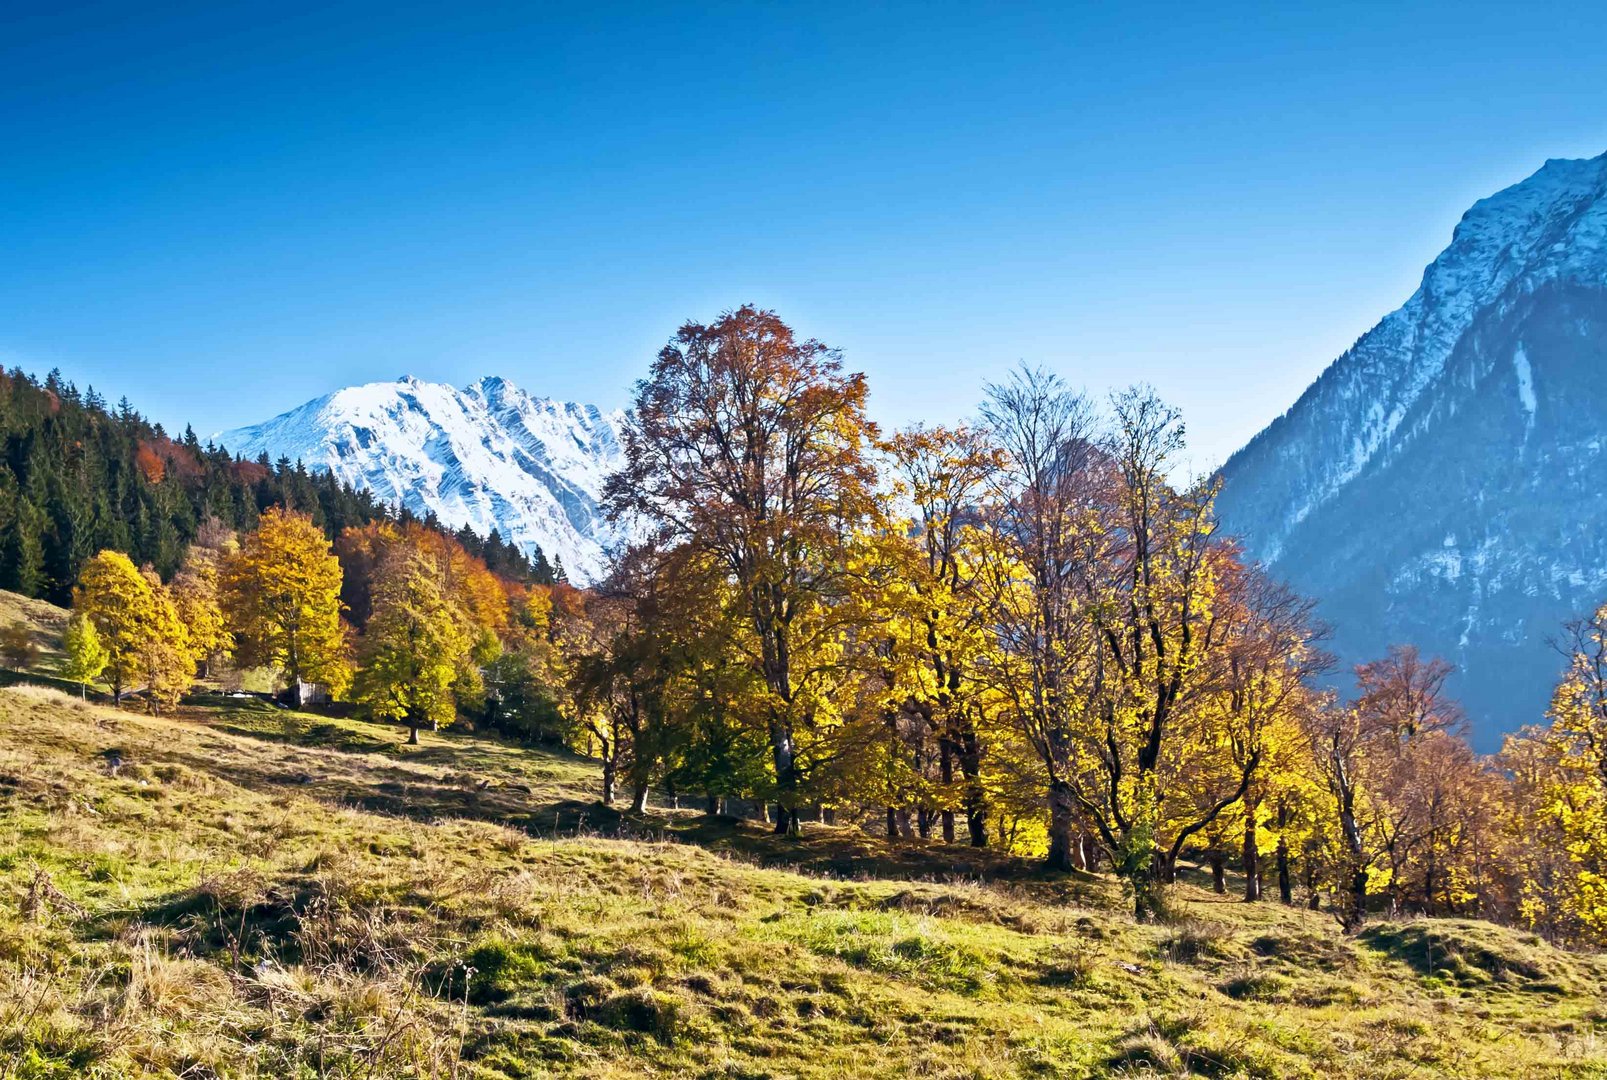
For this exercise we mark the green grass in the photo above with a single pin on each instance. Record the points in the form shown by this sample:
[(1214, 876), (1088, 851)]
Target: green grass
[(259, 893)]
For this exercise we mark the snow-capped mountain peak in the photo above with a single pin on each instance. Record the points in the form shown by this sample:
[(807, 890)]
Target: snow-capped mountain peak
[(1440, 482), (490, 456)]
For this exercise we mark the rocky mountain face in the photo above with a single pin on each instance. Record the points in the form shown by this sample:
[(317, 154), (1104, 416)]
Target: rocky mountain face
[(1444, 482), (489, 456)]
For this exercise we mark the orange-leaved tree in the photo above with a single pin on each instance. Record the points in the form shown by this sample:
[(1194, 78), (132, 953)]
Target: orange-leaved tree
[(750, 445)]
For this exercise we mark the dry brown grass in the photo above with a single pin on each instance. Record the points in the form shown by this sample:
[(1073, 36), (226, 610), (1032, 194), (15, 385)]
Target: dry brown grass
[(232, 903)]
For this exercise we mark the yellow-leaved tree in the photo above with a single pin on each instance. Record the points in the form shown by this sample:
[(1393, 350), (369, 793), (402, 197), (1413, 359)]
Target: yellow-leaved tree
[(936, 619), (415, 647), (137, 628), (168, 657), (749, 445), (1561, 797), (86, 656), (197, 595), (116, 599), (281, 594)]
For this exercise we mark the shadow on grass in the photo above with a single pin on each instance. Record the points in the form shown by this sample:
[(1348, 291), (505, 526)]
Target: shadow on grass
[(549, 793), (1469, 954)]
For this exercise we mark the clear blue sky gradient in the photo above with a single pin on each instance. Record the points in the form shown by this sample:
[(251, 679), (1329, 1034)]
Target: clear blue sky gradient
[(221, 211)]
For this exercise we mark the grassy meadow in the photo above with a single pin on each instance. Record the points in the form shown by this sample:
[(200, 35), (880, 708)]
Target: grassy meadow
[(243, 891)]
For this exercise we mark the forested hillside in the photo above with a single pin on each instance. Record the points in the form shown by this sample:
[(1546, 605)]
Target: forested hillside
[(78, 477)]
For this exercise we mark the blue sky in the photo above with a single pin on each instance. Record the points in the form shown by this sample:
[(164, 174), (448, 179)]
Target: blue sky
[(223, 210)]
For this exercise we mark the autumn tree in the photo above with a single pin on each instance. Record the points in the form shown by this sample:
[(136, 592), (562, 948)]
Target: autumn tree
[(939, 623), (1046, 534), (1364, 751), (524, 694), (114, 597), (749, 445), (18, 647), (281, 592), (1560, 799), (415, 646), (197, 600), (1105, 585), (168, 655), (86, 656), (1260, 673), (464, 578)]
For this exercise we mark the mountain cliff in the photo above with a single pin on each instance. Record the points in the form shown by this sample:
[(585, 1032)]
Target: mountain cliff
[(1443, 482), (489, 456)]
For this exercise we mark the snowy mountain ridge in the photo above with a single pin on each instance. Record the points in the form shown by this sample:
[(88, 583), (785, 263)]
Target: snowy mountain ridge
[(489, 456), (1551, 226), (1443, 482)]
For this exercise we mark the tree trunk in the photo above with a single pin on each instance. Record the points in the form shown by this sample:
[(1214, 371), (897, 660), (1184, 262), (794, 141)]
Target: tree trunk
[(1062, 823), (976, 813), (1219, 875), (1090, 853), (1354, 913), (945, 766), (1252, 859), (715, 806), (608, 783), (639, 799), (923, 823), (892, 823), (412, 734), (1352, 896), (1147, 881), (787, 821), (828, 815), (785, 756), (1286, 892)]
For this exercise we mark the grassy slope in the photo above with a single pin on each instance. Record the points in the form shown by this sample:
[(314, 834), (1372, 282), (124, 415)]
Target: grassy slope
[(257, 893), (260, 893)]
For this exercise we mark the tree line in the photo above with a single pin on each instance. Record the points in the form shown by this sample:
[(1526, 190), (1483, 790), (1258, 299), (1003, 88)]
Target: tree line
[(79, 476), (1024, 633), (1029, 627)]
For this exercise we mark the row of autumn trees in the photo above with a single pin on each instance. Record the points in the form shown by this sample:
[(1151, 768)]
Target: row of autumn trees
[(399, 618), (1021, 633), (1024, 633)]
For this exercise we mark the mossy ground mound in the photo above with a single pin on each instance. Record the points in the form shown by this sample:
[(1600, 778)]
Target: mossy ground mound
[(263, 894)]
